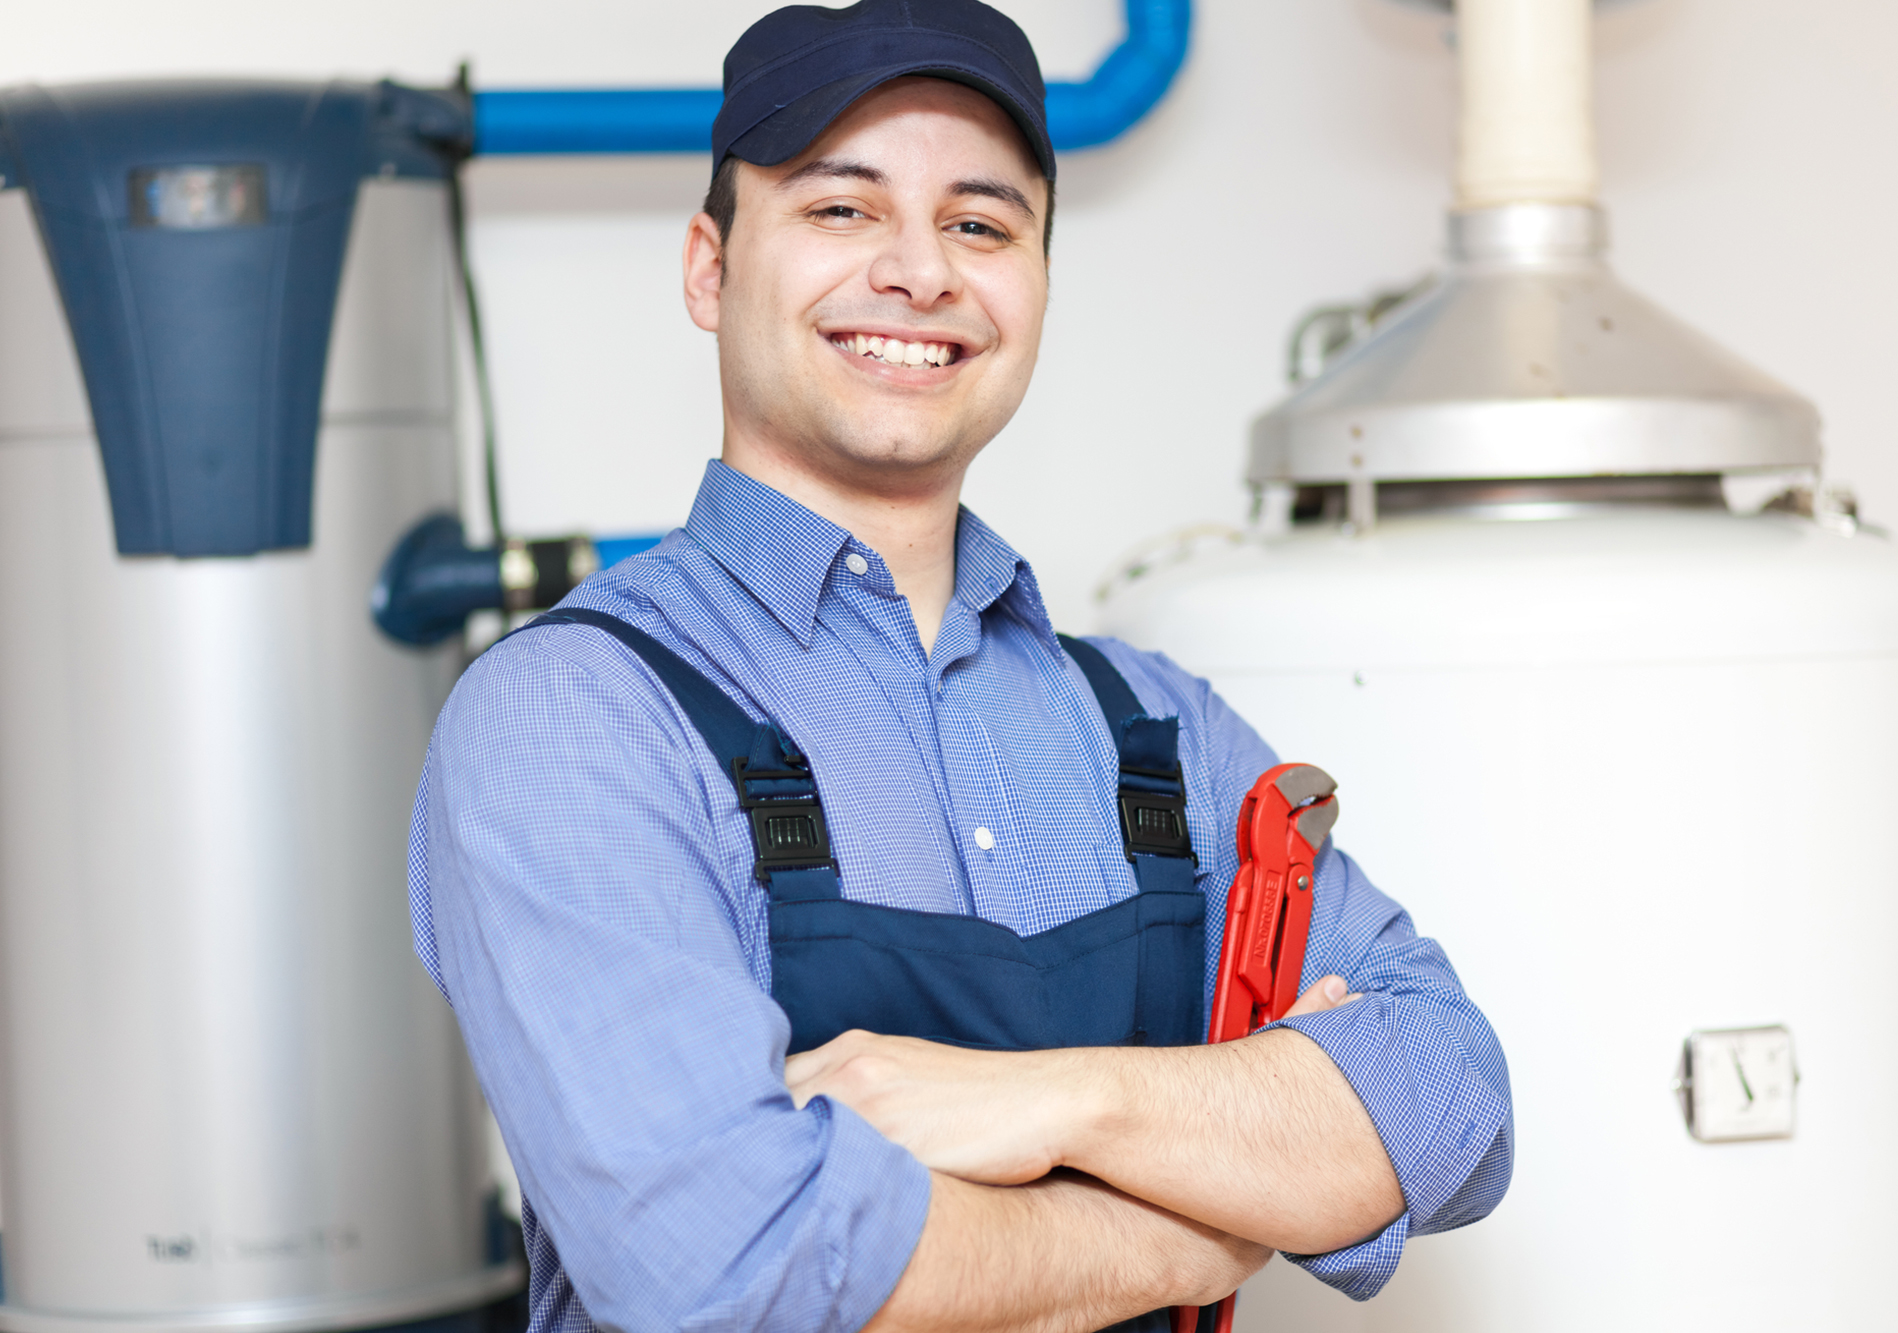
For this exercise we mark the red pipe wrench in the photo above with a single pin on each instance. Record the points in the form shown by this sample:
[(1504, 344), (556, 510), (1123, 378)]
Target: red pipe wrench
[(1282, 824)]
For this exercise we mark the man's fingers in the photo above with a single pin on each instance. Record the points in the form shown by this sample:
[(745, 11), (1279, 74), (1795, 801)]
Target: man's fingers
[(807, 1065), (805, 1072), (1325, 993)]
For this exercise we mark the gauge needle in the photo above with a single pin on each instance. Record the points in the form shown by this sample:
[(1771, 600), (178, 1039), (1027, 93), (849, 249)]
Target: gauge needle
[(1745, 1087)]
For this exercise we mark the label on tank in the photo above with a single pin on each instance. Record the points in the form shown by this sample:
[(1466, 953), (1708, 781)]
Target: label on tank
[(197, 198)]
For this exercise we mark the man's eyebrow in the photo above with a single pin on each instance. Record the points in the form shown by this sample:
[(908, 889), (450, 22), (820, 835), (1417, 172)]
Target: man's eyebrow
[(994, 189), (832, 168)]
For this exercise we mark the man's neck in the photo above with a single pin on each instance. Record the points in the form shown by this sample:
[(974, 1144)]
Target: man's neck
[(915, 533)]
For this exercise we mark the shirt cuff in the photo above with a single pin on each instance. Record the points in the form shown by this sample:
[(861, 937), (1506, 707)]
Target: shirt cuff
[(856, 1240), (874, 1200), (1359, 1271), (1434, 1112)]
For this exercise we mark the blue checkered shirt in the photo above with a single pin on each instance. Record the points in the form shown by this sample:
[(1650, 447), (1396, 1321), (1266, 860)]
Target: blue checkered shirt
[(580, 879)]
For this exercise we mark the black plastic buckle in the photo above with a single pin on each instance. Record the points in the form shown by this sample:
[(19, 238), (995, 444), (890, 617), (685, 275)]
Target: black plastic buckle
[(787, 832), (1154, 823)]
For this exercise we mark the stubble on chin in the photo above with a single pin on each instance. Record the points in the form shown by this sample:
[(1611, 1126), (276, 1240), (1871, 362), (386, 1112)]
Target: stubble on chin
[(814, 428)]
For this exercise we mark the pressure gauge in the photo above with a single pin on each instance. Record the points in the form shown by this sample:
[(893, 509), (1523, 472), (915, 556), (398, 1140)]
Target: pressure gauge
[(1738, 1083)]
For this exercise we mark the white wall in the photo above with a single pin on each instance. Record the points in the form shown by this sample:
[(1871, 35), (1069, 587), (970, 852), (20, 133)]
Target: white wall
[(1303, 156)]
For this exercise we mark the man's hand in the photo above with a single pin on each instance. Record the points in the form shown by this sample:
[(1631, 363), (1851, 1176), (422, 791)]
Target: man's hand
[(992, 1117)]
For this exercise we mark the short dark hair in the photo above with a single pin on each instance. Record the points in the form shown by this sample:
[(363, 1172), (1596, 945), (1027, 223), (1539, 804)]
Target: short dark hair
[(721, 201)]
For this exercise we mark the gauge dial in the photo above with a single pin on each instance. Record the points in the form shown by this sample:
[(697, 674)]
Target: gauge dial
[(1740, 1083)]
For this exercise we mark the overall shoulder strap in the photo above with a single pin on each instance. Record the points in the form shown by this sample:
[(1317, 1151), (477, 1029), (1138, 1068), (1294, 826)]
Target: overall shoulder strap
[(1153, 829), (775, 786)]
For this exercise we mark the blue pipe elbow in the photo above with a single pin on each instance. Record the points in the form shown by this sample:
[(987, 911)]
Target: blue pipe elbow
[(1128, 84)]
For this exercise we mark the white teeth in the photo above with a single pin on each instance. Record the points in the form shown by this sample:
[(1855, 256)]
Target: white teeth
[(896, 351)]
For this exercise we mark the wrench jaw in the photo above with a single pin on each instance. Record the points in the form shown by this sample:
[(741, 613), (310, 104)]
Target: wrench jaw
[(1302, 784)]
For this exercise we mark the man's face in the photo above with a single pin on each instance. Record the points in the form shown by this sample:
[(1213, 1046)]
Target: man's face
[(879, 303)]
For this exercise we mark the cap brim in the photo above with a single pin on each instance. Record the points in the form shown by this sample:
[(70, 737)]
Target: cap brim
[(792, 128)]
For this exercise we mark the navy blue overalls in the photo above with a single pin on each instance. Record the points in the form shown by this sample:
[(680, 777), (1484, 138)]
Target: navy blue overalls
[(1129, 974)]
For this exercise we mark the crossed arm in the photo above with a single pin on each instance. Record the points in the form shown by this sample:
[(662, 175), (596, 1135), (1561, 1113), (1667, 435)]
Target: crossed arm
[(1076, 1188)]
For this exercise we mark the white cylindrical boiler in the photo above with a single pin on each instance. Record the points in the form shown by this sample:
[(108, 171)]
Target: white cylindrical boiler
[(229, 1095), (1635, 766)]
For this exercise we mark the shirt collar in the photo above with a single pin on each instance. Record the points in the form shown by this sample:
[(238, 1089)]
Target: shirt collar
[(783, 553), (988, 571), (779, 550)]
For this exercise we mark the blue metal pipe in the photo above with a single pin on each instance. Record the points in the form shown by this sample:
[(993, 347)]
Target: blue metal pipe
[(1128, 84)]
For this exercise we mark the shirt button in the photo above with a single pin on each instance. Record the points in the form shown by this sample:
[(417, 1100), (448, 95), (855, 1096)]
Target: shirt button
[(985, 840), (856, 564)]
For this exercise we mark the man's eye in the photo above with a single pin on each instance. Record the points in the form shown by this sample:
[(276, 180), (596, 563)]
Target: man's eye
[(973, 228), (839, 211)]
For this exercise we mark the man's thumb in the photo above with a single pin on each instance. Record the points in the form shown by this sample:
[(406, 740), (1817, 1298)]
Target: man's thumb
[(1325, 993)]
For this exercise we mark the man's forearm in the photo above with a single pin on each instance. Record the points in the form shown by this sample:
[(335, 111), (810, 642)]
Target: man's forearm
[(1064, 1254), (1263, 1137)]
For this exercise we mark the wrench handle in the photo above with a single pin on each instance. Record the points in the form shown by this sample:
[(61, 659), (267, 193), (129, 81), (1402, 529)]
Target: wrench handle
[(1268, 923), (1186, 1317)]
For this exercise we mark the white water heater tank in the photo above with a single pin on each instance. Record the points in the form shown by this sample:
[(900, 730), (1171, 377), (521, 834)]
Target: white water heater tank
[(1636, 766)]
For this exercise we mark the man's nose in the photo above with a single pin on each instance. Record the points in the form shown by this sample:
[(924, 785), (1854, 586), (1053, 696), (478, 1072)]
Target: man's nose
[(916, 265)]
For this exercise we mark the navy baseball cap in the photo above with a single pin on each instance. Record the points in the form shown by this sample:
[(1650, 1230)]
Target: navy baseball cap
[(796, 69)]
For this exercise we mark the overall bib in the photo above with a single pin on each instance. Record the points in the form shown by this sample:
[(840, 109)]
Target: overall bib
[(1129, 974)]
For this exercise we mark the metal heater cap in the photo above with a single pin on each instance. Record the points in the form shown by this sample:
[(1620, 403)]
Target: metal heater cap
[(1531, 359)]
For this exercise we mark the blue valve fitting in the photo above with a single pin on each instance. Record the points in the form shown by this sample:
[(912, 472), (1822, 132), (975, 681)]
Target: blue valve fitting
[(433, 580)]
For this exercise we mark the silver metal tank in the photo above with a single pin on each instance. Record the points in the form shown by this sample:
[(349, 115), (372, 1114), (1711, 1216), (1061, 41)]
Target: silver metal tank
[(231, 1096)]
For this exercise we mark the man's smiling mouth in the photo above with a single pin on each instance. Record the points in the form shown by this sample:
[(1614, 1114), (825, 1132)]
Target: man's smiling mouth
[(895, 351)]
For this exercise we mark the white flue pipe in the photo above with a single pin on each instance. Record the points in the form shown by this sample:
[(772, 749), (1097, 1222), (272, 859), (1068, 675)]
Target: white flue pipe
[(1527, 133)]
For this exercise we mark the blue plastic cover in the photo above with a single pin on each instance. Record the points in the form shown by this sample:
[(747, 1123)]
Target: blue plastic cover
[(196, 230)]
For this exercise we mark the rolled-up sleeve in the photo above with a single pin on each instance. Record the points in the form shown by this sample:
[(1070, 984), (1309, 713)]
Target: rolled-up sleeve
[(576, 901), (1423, 1060), (1417, 1050)]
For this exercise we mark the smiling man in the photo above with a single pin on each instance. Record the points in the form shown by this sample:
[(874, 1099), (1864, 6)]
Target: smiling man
[(777, 878)]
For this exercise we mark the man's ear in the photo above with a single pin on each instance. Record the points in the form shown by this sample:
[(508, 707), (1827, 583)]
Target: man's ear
[(704, 271)]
